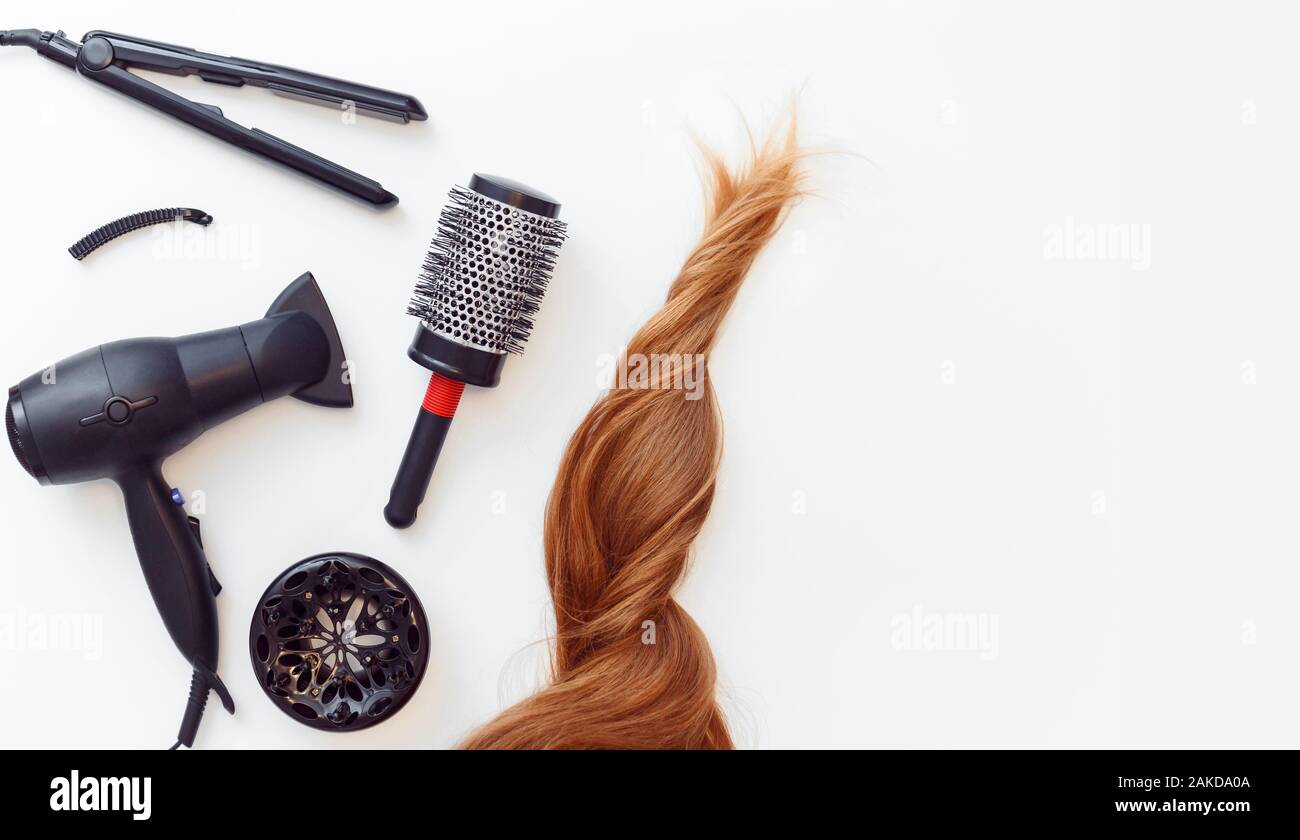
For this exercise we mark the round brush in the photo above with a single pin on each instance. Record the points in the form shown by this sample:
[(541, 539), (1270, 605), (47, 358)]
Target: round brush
[(482, 283)]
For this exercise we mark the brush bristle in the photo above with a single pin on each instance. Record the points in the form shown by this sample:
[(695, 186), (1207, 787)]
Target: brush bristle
[(486, 272)]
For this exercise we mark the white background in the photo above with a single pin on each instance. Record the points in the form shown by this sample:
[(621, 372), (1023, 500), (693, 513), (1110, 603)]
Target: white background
[(924, 410)]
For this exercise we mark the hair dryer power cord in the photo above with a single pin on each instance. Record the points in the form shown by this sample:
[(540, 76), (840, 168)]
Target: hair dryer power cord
[(200, 684), (20, 37), (193, 710)]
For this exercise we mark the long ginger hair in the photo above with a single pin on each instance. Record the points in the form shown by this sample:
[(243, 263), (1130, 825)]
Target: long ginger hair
[(625, 509)]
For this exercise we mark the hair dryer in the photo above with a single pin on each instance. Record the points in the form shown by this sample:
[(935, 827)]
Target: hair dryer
[(118, 410)]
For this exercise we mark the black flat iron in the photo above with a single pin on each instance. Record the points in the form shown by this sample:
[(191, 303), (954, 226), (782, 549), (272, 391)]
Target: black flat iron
[(105, 57)]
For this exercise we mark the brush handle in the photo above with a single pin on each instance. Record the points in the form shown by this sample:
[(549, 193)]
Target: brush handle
[(412, 481)]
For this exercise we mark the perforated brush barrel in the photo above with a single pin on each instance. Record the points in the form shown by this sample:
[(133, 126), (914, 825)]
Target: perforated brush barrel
[(484, 277), (339, 642)]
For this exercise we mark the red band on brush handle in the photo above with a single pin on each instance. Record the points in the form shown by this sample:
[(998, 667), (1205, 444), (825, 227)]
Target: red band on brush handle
[(421, 455), (443, 395)]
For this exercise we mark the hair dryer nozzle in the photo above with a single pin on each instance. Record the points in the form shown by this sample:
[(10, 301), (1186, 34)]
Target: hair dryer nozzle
[(295, 342)]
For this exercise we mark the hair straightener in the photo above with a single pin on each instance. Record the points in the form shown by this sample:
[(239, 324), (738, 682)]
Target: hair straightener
[(105, 57)]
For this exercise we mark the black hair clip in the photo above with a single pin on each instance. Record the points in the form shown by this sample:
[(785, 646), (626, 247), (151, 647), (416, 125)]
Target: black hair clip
[(83, 247), (105, 57)]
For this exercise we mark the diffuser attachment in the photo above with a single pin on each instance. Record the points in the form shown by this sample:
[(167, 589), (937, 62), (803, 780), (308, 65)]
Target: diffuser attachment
[(339, 642)]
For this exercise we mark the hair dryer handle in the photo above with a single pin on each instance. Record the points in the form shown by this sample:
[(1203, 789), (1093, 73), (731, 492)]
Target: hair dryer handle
[(177, 573), (173, 563)]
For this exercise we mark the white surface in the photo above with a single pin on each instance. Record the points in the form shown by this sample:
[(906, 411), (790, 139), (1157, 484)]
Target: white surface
[(923, 410)]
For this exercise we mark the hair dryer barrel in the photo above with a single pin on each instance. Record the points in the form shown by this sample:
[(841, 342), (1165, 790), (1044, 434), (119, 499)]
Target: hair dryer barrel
[(232, 370), (139, 400), (294, 351)]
